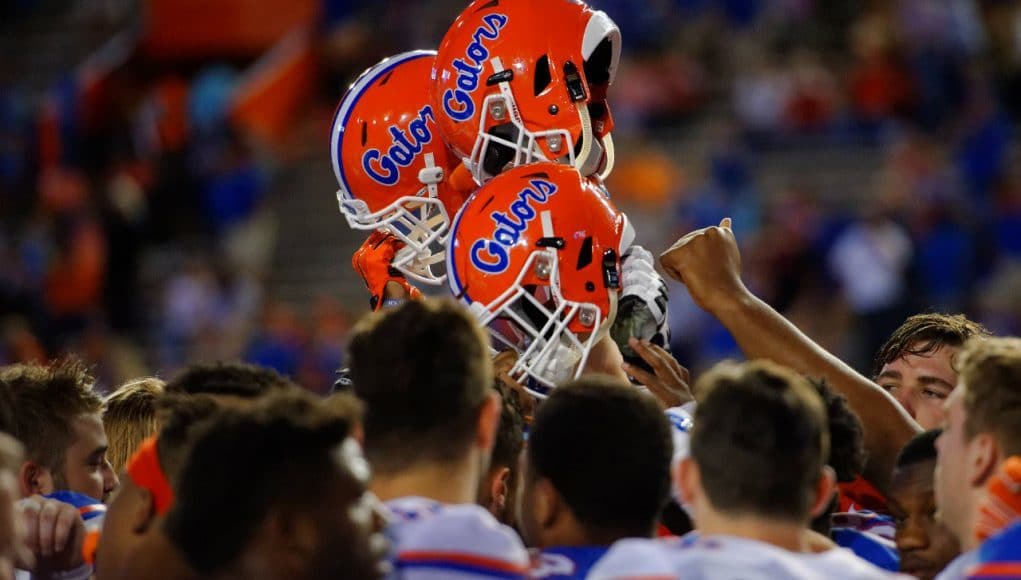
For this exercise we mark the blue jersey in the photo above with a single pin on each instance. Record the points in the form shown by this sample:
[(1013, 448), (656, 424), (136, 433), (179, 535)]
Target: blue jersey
[(1000, 556), (568, 563), (869, 547)]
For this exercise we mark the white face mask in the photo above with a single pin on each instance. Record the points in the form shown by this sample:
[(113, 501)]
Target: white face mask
[(560, 363)]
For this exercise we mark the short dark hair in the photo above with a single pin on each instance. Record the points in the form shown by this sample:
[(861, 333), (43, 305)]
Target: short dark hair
[(919, 449), (606, 449), (847, 444), (924, 334), (510, 436), (423, 370), (244, 380), (181, 418), (45, 399), (245, 464), (760, 440)]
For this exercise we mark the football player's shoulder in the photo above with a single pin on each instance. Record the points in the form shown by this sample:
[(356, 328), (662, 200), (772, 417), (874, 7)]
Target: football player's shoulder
[(635, 557), (563, 563), (460, 541), (842, 563)]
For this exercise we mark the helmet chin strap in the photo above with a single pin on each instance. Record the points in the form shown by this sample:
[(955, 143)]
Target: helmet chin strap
[(608, 155), (585, 161)]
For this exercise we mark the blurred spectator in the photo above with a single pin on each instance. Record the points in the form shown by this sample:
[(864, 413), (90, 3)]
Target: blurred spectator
[(870, 260)]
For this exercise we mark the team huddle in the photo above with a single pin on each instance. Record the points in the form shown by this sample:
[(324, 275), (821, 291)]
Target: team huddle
[(532, 423)]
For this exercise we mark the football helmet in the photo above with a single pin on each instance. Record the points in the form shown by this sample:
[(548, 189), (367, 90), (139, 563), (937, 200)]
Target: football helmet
[(535, 254), (518, 81), (391, 164)]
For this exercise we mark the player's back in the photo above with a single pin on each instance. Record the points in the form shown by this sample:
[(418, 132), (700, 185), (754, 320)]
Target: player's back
[(565, 563), (431, 540), (728, 558)]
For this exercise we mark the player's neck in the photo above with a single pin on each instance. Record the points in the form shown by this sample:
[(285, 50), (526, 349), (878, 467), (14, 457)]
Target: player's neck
[(782, 534), (456, 483)]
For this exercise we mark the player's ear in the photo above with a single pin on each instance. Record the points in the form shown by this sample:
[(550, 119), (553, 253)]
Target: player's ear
[(825, 487), (499, 488), (34, 479), (688, 480), (547, 503)]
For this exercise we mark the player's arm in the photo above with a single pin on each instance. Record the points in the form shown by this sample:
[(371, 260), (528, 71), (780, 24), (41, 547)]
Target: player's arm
[(708, 262)]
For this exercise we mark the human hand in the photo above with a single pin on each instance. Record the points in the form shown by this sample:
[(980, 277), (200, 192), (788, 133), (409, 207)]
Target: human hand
[(668, 381), (373, 262), (642, 309), (605, 359), (708, 262), (502, 365), (54, 534)]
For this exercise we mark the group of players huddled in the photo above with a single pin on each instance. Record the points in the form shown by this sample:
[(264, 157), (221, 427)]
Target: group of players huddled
[(533, 424)]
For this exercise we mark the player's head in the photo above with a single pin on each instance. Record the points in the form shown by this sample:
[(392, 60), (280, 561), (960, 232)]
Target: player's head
[(424, 373), (302, 511), (917, 363), (130, 417), (847, 446), (228, 383), (597, 465), (12, 529), (392, 165), (925, 545), (524, 81), (58, 420), (132, 537), (535, 253), (981, 428), (498, 491), (758, 446)]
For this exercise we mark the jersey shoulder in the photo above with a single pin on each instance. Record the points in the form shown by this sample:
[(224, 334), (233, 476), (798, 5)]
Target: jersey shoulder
[(458, 541)]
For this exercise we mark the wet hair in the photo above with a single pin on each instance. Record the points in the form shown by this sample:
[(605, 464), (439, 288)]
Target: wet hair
[(924, 334)]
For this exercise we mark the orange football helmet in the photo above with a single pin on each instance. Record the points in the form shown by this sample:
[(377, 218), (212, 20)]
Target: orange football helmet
[(391, 164), (535, 254), (518, 81)]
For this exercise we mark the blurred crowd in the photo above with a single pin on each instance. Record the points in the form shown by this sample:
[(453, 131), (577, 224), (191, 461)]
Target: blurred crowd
[(856, 156), (151, 241)]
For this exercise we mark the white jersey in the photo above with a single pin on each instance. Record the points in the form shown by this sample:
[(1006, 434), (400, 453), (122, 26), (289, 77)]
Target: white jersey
[(433, 541), (728, 558)]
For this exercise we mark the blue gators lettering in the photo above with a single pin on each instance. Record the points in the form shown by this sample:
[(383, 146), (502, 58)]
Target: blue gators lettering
[(383, 168), (457, 103), (491, 255)]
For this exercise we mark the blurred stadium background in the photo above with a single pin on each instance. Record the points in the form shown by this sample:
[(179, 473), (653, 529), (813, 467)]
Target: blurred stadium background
[(166, 192)]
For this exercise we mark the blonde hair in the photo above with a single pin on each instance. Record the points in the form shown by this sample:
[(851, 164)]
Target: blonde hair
[(991, 373), (131, 417)]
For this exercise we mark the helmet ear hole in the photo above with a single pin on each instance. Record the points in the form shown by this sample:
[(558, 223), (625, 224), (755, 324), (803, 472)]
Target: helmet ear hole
[(543, 75), (585, 254), (597, 66)]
